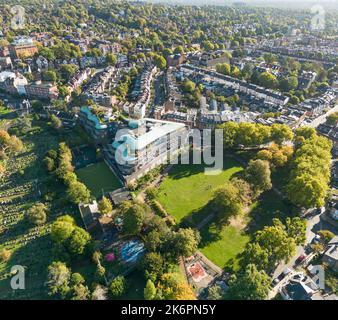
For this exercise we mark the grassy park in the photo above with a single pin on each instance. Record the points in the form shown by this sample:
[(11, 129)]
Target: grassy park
[(98, 177), (187, 189), (186, 192)]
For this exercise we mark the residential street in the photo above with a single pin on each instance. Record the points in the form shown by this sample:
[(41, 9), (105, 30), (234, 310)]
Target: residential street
[(321, 119), (314, 224)]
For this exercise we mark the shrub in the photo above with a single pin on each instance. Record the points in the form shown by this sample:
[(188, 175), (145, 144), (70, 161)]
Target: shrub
[(157, 207), (151, 193)]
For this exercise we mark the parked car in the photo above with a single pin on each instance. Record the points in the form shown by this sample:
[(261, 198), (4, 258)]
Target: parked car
[(275, 282), (316, 239), (300, 259), (308, 249), (298, 277), (320, 210)]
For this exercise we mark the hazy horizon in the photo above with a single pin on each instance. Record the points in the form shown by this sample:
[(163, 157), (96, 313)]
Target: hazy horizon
[(276, 3)]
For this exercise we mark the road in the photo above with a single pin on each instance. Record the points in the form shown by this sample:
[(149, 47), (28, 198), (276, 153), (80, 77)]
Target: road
[(321, 119), (159, 94)]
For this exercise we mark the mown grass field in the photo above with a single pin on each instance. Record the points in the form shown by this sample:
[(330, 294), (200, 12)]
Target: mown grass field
[(98, 177), (185, 194), (187, 189)]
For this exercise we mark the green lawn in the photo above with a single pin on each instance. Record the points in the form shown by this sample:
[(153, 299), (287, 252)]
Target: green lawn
[(187, 189), (222, 246), (185, 194), (98, 177)]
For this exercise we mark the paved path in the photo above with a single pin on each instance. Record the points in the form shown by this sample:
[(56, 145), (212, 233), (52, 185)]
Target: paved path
[(209, 263)]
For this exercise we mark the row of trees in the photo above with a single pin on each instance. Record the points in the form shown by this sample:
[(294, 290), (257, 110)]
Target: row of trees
[(310, 175), (60, 163), (253, 134)]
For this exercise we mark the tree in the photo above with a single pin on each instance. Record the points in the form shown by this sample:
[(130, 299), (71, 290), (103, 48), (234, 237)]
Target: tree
[(281, 133), (111, 59), (105, 206), (185, 242), (172, 287), (255, 254), (37, 214), (77, 278), (277, 156), (100, 273), (118, 287), (250, 134), (179, 50), (67, 71), (230, 131), (80, 292), (49, 75), (305, 132), (258, 174), (246, 193), (310, 175), (153, 265), (78, 193), (227, 201), (134, 219), (5, 255), (160, 62), (215, 292), (56, 122), (149, 290), (296, 229), (189, 86), (49, 164), (167, 52), (269, 58), (249, 284), (208, 46), (2, 170), (277, 242), (288, 84), (62, 228), (58, 279), (78, 241), (268, 80), (306, 190), (100, 293), (223, 68), (9, 144)]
